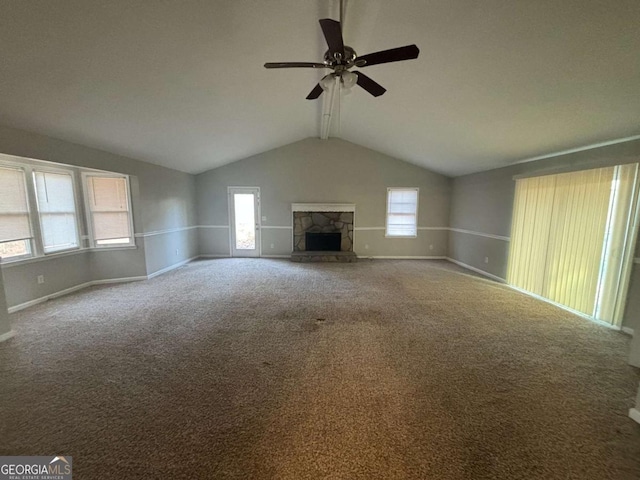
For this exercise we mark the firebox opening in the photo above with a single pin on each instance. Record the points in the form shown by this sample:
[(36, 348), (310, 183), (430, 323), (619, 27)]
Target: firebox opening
[(322, 241)]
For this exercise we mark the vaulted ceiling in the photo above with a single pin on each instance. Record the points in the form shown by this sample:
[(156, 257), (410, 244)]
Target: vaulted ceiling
[(180, 83)]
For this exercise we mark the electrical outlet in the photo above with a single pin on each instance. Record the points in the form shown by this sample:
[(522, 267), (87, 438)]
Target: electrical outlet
[(272, 245), (366, 247), (264, 218), (430, 247), (177, 252), (486, 259), (40, 279)]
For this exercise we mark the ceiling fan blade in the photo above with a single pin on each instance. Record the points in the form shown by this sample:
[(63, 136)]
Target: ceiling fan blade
[(407, 52), (333, 35), (294, 65), (369, 85), (315, 93)]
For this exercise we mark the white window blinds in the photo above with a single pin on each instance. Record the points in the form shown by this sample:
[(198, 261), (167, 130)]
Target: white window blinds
[(108, 202), (57, 210), (14, 208), (402, 211)]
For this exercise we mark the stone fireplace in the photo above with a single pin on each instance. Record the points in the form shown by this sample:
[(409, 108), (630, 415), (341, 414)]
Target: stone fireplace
[(322, 222), (323, 232)]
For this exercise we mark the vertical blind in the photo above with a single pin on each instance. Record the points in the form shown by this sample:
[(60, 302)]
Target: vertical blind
[(565, 231), (612, 292), (109, 208), (14, 208), (402, 209), (57, 210)]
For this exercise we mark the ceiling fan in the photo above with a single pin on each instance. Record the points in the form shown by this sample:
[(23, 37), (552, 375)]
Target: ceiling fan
[(341, 58)]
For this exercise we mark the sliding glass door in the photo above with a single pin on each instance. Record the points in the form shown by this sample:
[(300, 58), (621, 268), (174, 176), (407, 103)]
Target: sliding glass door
[(571, 238)]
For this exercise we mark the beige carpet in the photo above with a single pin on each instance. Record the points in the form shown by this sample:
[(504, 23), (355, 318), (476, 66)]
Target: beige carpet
[(267, 369)]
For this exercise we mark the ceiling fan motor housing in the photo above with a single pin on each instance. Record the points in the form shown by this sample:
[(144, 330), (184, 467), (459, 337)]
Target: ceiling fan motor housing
[(338, 58)]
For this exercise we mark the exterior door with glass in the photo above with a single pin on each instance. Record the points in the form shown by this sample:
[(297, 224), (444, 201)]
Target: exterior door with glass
[(244, 214)]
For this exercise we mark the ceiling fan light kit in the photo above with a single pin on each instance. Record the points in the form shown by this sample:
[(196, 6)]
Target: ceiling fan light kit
[(347, 80)]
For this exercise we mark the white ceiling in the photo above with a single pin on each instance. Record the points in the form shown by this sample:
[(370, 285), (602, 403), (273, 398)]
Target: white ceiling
[(181, 84)]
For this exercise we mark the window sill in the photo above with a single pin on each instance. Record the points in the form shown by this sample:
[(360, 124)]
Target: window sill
[(111, 249), (50, 256), (39, 258), (21, 258), (61, 251), (401, 236)]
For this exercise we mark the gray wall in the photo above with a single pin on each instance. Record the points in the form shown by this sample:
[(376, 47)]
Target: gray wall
[(634, 359), (5, 326), (166, 249), (634, 352), (325, 171), (483, 203), (60, 273), (163, 203), (166, 196)]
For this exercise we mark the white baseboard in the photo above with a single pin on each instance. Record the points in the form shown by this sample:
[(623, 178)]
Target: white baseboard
[(69, 290), (105, 281), (170, 267), (378, 257), (60, 293), (477, 270), (108, 281), (568, 309), (7, 335), (634, 413), (546, 300), (402, 257)]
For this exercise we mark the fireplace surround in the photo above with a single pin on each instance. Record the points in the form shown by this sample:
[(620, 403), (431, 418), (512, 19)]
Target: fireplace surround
[(323, 232)]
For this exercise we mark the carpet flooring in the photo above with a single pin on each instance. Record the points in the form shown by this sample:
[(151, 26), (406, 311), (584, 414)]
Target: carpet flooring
[(267, 369)]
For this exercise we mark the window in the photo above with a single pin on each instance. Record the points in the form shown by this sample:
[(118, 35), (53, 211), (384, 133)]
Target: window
[(402, 212), (109, 210), (57, 210), (41, 216), (15, 227)]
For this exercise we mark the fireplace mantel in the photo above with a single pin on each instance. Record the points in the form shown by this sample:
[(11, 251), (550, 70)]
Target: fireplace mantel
[(323, 207)]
